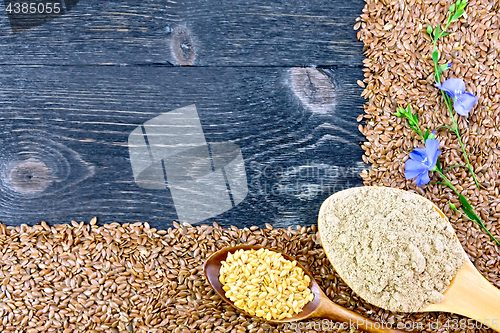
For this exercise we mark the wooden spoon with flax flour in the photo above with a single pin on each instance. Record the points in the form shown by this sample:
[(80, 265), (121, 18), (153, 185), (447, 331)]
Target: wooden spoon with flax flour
[(398, 251)]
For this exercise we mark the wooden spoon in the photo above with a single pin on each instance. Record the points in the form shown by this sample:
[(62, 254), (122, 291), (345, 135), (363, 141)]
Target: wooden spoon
[(469, 293), (320, 307)]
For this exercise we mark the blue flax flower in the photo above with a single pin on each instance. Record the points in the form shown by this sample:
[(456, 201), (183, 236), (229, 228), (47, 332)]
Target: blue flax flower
[(422, 161), (463, 101)]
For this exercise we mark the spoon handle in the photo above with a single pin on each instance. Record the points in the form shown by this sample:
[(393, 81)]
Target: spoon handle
[(471, 295), (329, 310)]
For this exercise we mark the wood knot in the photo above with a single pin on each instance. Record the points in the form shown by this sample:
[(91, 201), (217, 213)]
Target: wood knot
[(30, 176), (183, 46), (314, 88), (32, 164)]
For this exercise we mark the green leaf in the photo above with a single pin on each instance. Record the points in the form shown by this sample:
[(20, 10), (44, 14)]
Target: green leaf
[(435, 56), (461, 4), (414, 116), (414, 119), (457, 15), (467, 208), (445, 34), (413, 122), (452, 8), (429, 30), (464, 202), (436, 33), (426, 135), (470, 214), (400, 113)]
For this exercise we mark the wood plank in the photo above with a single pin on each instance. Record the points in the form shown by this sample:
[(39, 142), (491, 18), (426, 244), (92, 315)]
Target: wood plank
[(273, 33), (94, 32), (64, 150), (191, 32)]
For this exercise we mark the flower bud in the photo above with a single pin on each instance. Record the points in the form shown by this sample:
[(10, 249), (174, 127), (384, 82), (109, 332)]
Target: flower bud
[(432, 135)]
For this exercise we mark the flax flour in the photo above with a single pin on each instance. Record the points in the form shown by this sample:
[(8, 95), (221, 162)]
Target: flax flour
[(390, 246)]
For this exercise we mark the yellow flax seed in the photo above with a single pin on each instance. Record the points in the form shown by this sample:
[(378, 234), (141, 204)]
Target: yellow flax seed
[(265, 284)]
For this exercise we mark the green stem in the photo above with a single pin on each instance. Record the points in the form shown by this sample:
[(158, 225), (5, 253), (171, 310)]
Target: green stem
[(419, 132), (467, 160), (479, 222), (489, 233), (456, 166), (448, 103), (445, 126), (447, 182), (437, 74)]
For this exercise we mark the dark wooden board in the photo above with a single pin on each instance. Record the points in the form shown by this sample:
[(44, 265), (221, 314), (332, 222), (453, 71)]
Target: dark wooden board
[(64, 150), (94, 32), (75, 87), (273, 33), (191, 32)]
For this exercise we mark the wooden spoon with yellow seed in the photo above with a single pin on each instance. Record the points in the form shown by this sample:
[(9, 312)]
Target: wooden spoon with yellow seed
[(320, 307)]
